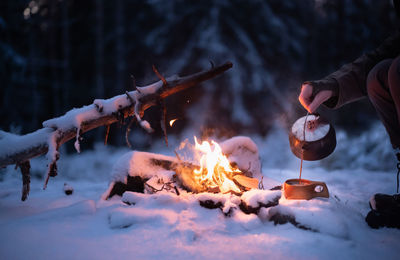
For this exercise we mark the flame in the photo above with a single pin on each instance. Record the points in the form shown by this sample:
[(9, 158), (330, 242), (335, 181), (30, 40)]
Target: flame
[(171, 122), (215, 169)]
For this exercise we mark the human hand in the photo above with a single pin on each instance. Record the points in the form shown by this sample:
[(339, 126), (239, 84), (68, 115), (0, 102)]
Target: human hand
[(314, 93)]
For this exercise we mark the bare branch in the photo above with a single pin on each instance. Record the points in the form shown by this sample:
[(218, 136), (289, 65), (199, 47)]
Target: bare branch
[(128, 130), (163, 110), (26, 178), (160, 76), (107, 132)]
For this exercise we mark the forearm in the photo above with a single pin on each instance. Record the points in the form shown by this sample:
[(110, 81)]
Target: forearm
[(351, 78)]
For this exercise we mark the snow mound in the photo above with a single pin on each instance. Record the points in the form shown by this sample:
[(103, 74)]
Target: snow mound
[(85, 207), (319, 215), (254, 198), (244, 152), (138, 164), (125, 217), (10, 143)]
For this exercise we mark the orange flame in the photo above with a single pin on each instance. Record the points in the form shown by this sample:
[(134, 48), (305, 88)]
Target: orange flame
[(171, 122), (215, 169)]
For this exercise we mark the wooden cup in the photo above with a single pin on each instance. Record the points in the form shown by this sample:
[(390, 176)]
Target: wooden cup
[(304, 189)]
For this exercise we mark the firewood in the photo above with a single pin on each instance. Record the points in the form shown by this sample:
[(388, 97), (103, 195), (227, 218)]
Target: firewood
[(246, 182), (37, 143), (134, 183), (210, 204), (251, 210)]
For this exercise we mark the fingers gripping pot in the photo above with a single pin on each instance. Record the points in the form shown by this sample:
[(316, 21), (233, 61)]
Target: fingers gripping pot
[(312, 138)]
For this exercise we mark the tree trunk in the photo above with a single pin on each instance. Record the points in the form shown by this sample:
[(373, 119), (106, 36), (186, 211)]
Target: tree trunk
[(119, 45), (99, 53), (66, 56)]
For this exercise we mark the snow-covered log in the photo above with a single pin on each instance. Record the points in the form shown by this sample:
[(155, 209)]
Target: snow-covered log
[(55, 132)]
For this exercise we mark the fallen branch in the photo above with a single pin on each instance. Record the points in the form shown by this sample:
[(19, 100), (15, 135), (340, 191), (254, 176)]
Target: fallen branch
[(57, 131)]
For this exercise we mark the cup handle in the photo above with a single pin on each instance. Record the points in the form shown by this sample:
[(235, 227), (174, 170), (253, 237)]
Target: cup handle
[(320, 189)]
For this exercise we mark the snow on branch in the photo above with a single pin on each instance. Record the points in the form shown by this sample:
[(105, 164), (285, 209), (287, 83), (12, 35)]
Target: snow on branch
[(19, 150)]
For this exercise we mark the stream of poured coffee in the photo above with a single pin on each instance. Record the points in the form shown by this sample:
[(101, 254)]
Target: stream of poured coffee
[(302, 150)]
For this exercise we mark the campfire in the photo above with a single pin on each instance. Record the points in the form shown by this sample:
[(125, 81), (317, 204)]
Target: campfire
[(223, 176), (227, 168)]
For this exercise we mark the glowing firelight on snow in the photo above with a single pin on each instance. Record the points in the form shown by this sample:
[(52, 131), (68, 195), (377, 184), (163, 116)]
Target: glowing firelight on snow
[(215, 169), (171, 122)]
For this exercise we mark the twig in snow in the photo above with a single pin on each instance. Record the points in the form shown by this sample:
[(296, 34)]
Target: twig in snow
[(134, 83), (176, 190), (129, 97), (261, 183), (51, 171), (128, 130), (160, 76), (107, 132), (163, 110), (166, 186), (99, 107), (119, 115), (138, 112), (78, 140), (212, 64), (53, 155), (177, 156)]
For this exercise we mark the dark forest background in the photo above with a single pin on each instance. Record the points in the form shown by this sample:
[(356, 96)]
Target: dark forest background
[(60, 54)]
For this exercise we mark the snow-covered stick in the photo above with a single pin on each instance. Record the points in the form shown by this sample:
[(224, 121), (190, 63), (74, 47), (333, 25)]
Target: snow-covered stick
[(18, 149)]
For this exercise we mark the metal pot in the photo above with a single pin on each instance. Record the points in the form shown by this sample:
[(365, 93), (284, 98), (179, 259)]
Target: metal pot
[(312, 138)]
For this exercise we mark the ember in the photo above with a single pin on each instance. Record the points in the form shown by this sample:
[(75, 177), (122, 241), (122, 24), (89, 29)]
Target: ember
[(171, 122)]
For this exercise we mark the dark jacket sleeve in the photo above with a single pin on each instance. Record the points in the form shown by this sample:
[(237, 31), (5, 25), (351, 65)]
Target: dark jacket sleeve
[(351, 78)]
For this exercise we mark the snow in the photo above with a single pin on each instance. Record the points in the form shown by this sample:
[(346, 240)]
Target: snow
[(244, 152), (72, 118), (138, 164), (146, 125), (52, 225), (76, 116), (253, 198), (52, 153), (10, 143)]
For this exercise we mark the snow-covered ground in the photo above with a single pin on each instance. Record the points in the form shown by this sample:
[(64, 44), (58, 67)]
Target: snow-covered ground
[(52, 225)]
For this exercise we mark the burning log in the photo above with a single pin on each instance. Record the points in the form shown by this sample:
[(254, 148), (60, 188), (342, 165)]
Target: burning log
[(246, 183), (57, 131)]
